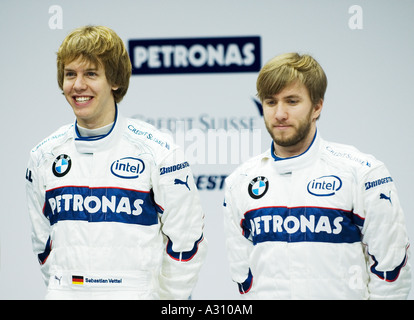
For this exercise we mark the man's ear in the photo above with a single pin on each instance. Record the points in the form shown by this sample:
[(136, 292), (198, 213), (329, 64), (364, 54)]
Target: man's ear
[(317, 109)]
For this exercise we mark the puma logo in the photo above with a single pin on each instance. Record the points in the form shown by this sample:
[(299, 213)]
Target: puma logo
[(385, 197), (178, 181)]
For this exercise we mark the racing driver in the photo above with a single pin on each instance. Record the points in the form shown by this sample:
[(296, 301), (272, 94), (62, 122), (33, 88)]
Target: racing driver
[(114, 209), (311, 219)]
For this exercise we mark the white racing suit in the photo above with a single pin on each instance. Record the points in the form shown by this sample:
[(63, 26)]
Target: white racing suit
[(326, 224), (115, 216)]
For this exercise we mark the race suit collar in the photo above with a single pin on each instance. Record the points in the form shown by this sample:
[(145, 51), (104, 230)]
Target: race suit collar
[(286, 165), (97, 137), (100, 142)]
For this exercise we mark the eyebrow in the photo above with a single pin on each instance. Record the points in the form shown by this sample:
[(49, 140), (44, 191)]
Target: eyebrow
[(89, 69), (296, 96), (287, 97)]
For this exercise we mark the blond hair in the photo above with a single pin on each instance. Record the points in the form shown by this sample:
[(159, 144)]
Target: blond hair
[(284, 69), (100, 46)]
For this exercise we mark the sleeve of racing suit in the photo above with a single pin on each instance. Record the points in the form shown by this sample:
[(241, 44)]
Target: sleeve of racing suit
[(182, 223), (40, 224), (385, 236), (237, 245)]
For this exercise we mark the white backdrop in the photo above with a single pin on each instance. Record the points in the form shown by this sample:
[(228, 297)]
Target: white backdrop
[(367, 52)]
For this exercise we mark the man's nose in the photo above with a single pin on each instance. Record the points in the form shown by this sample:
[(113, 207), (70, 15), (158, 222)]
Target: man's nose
[(79, 84), (281, 112)]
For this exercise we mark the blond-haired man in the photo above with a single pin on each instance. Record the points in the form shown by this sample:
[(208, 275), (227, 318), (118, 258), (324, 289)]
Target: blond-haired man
[(109, 218), (311, 219)]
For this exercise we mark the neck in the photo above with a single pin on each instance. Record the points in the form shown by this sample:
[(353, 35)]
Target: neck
[(85, 132), (107, 116)]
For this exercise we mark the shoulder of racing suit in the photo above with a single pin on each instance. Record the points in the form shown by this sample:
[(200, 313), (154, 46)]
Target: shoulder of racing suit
[(46, 146), (140, 132), (348, 156)]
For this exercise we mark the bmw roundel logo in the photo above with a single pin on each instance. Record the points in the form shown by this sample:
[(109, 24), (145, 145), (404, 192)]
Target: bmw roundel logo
[(61, 165), (258, 187)]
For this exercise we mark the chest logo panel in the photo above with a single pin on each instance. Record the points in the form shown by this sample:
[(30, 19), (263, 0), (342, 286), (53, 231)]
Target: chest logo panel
[(324, 186), (127, 168), (61, 165), (258, 187)]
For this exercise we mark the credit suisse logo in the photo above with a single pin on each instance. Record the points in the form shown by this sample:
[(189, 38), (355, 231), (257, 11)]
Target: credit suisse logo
[(195, 55)]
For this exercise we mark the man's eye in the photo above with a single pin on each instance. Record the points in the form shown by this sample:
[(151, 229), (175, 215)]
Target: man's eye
[(270, 102), (91, 74), (69, 74)]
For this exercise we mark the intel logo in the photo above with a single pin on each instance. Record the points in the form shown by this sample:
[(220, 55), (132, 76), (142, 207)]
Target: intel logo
[(127, 168), (324, 186)]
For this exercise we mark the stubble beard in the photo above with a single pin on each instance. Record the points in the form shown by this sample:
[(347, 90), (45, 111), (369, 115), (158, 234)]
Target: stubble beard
[(302, 131)]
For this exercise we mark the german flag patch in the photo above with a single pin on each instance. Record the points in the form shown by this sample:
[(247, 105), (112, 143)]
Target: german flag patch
[(77, 279)]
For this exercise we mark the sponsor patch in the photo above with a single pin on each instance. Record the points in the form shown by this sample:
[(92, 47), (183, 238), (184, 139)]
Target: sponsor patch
[(258, 187), (376, 183), (174, 168), (61, 165), (301, 224), (127, 168), (324, 186)]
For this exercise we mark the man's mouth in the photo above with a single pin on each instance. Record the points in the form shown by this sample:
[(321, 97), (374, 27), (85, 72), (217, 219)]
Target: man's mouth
[(282, 126), (82, 99)]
